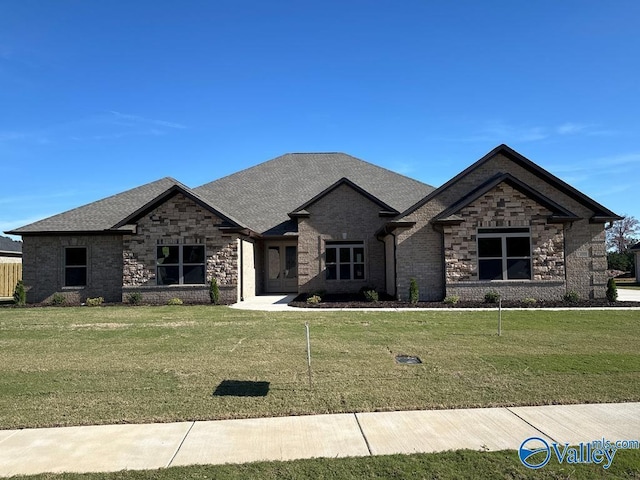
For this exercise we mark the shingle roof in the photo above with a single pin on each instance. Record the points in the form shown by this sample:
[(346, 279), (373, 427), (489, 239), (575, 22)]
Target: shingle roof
[(259, 197), (9, 245), (263, 195), (100, 215)]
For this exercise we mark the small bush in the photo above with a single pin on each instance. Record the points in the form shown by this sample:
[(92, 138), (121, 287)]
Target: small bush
[(214, 292), (19, 294), (452, 299), (58, 299), (134, 298), (529, 301), (491, 296), (314, 299), (571, 296), (612, 290), (95, 302), (370, 295), (414, 292), (175, 301)]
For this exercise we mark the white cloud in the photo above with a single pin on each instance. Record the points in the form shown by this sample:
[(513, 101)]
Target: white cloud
[(501, 132), (107, 126), (570, 128), (8, 136), (148, 121)]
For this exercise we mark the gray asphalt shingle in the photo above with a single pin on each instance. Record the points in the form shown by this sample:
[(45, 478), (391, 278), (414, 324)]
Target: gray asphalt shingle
[(263, 195), (259, 197), (102, 214)]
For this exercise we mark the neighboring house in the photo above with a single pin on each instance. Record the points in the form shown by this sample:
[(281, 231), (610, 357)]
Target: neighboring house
[(10, 265), (636, 251), (308, 222), (10, 250)]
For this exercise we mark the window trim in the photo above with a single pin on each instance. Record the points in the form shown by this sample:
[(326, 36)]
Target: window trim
[(181, 264), (503, 234), (351, 244), (85, 266)]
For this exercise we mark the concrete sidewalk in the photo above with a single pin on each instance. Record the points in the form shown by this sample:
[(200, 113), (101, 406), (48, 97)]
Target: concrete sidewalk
[(151, 446), (628, 295), (280, 303)]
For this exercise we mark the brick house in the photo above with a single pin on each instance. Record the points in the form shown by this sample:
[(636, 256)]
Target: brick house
[(636, 252), (327, 221)]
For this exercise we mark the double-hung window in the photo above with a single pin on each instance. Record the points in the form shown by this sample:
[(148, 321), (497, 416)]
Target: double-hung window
[(344, 260), (504, 254), (180, 264), (75, 266)]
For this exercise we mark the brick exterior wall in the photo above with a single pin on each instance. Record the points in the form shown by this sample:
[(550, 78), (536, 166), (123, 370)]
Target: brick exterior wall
[(43, 267), (504, 207), (343, 214), (181, 221), (421, 249)]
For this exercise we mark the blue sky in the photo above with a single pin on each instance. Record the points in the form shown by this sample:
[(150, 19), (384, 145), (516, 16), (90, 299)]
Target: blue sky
[(100, 97)]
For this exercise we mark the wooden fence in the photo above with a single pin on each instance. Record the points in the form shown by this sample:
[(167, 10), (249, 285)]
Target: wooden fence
[(10, 273)]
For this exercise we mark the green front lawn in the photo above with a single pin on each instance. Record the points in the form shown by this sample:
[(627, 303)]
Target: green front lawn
[(463, 464), (73, 366)]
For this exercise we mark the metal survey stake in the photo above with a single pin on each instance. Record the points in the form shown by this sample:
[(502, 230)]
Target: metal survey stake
[(500, 317), (306, 326)]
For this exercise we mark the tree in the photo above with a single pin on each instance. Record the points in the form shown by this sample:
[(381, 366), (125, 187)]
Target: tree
[(623, 234), (620, 261)]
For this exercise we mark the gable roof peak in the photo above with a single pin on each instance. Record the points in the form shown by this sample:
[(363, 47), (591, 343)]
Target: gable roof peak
[(302, 209), (263, 195), (600, 213)]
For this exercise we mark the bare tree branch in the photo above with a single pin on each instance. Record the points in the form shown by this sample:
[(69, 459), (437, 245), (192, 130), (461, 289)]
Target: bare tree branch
[(623, 234)]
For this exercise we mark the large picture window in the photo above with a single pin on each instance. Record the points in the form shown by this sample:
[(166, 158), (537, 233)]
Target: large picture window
[(344, 260), (75, 266), (180, 264), (504, 254)]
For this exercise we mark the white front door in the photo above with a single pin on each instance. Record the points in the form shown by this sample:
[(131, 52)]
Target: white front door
[(282, 267)]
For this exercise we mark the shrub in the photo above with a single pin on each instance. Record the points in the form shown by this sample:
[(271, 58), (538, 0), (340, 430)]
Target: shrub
[(529, 301), (314, 299), (175, 301), (571, 296), (95, 302), (370, 295), (19, 294), (612, 290), (452, 299), (214, 291), (414, 293), (58, 299), (134, 298), (491, 296)]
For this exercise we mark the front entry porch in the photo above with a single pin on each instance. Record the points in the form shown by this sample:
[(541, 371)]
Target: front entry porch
[(281, 267)]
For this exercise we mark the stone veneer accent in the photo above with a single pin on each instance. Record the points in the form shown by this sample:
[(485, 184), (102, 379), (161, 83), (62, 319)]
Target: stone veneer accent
[(421, 248), (504, 206), (342, 214), (179, 220)]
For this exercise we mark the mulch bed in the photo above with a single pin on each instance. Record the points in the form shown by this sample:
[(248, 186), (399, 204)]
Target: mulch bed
[(356, 301)]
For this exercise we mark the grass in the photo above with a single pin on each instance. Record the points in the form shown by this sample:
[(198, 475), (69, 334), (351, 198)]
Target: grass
[(77, 366), (461, 464)]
